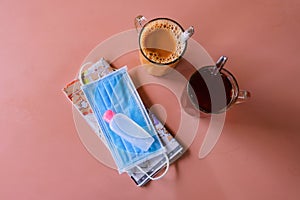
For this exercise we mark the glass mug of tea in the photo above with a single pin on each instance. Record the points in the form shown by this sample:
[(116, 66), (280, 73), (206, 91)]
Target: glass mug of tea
[(212, 90), (162, 42)]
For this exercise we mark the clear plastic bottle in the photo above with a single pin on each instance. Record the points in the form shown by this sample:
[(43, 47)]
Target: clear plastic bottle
[(129, 130)]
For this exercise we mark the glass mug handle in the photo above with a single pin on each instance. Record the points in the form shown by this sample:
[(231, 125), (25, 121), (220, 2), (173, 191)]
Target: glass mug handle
[(139, 22), (243, 96), (187, 33)]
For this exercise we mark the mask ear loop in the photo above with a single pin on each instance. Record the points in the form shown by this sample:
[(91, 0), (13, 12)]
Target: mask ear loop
[(163, 174), (80, 75)]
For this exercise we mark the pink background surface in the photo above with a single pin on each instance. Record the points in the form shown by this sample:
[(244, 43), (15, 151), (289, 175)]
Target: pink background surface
[(43, 43)]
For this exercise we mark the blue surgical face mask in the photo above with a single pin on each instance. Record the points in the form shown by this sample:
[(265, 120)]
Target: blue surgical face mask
[(116, 92)]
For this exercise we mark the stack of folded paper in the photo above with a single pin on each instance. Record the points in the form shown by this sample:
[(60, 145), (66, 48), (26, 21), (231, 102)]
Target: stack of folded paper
[(143, 170)]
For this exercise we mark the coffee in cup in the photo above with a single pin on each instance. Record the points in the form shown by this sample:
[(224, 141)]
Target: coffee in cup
[(162, 43)]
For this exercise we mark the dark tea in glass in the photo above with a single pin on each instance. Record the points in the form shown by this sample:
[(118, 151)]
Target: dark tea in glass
[(212, 90)]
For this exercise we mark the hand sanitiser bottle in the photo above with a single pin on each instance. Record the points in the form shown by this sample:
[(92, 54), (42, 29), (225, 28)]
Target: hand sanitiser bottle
[(128, 130)]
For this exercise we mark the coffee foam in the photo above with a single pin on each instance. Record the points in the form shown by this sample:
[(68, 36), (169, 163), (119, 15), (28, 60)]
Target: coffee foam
[(175, 32)]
